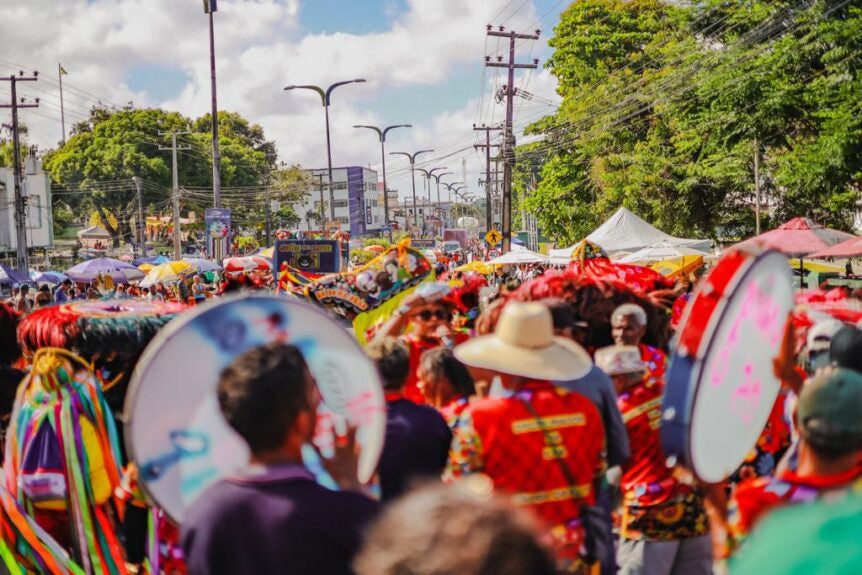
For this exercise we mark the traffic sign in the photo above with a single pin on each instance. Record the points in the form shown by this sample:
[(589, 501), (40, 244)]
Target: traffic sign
[(493, 237), (493, 254)]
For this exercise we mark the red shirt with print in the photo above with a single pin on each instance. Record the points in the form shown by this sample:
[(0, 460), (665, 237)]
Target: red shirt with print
[(656, 504), (655, 360), (756, 497), (418, 346)]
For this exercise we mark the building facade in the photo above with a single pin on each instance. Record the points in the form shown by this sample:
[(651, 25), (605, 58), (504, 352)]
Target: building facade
[(357, 202), (36, 188)]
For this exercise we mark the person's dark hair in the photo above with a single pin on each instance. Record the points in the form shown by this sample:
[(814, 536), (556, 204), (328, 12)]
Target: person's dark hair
[(441, 362), (393, 361), (845, 349), (262, 392), (9, 350), (561, 312), (461, 528), (24, 288)]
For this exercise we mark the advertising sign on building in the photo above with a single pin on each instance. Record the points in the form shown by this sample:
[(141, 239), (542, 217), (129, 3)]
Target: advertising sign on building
[(315, 256)]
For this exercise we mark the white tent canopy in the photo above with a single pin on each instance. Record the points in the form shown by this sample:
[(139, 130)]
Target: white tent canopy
[(661, 251), (626, 231), (516, 257)]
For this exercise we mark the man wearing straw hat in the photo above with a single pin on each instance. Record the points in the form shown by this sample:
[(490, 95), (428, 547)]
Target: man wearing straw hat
[(541, 445)]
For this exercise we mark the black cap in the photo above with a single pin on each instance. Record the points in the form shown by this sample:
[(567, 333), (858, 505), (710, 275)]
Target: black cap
[(845, 349)]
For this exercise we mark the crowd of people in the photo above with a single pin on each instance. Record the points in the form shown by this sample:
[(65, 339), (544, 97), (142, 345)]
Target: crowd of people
[(522, 437)]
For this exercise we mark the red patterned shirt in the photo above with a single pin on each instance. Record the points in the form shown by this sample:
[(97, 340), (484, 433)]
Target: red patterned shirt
[(656, 504), (417, 347), (522, 455), (655, 360), (756, 497)]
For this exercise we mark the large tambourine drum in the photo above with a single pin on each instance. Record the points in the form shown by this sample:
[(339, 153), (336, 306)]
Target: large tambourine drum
[(175, 431), (720, 384)]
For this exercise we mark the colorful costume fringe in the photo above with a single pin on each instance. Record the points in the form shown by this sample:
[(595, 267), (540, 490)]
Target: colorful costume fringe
[(62, 460)]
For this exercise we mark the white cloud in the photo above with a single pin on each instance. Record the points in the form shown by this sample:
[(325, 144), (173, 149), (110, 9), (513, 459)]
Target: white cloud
[(260, 48)]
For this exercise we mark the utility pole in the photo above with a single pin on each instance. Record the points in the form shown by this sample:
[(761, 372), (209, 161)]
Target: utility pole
[(756, 187), (508, 134), (60, 73), (487, 146), (142, 237), (20, 200), (322, 210), (176, 189)]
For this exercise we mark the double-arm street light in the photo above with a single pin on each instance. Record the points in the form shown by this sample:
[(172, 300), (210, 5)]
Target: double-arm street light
[(412, 158), (437, 178), (325, 99), (382, 135), (428, 174), (457, 185)]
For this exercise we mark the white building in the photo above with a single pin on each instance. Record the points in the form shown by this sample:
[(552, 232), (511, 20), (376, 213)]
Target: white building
[(36, 187), (358, 204)]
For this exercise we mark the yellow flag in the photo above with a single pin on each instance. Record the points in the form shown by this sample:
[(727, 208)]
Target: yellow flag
[(62, 70)]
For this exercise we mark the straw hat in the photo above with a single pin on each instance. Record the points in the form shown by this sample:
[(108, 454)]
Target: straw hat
[(524, 345), (620, 359)]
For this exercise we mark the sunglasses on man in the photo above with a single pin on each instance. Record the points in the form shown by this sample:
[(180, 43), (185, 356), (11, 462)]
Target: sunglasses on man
[(427, 315)]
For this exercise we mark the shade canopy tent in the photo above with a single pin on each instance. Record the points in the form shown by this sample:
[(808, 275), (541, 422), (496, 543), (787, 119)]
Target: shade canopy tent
[(626, 231), (851, 248), (800, 238), (516, 257), (117, 270), (659, 252)]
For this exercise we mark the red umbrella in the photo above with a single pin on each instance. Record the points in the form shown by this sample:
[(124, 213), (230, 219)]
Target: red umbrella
[(247, 264), (852, 248), (800, 237)]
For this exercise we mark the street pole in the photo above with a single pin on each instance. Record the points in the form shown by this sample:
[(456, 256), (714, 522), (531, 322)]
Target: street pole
[(60, 73), (23, 258), (322, 201), (508, 134), (176, 190), (412, 158), (326, 98), (756, 188), (489, 223), (141, 223), (381, 134)]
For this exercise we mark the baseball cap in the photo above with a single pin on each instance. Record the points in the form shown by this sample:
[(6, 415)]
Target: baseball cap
[(822, 333), (828, 410), (620, 359), (845, 349)]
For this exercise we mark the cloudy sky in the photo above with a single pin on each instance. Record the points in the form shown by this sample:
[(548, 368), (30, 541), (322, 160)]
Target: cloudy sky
[(423, 60)]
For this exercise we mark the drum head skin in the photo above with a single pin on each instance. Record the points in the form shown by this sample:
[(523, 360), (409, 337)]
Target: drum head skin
[(720, 385), (174, 429)]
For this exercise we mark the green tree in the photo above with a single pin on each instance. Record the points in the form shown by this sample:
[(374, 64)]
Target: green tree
[(663, 103), (114, 146)]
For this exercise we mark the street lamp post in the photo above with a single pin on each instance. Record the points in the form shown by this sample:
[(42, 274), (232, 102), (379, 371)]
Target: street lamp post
[(428, 175), (325, 97), (412, 158), (381, 134), (437, 179)]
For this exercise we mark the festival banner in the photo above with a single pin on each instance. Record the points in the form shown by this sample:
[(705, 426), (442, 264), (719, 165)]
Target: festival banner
[(307, 256), (218, 222)]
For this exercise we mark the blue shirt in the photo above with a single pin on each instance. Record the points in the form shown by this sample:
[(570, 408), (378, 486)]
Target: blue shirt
[(280, 521), (598, 388), (417, 446)]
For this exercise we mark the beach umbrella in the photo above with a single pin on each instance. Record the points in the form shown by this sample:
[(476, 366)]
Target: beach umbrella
[(246, 264), (798, 238), (476, 266), (154, 260), (9, 276), (852, 248), (518, 257), (203, 265), (661, 251), (167, 273), (48, 277), (115, 269), (268, 253)]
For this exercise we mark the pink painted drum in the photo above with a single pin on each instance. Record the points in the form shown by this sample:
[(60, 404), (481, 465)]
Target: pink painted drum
[(175, 431), (720, 384)]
